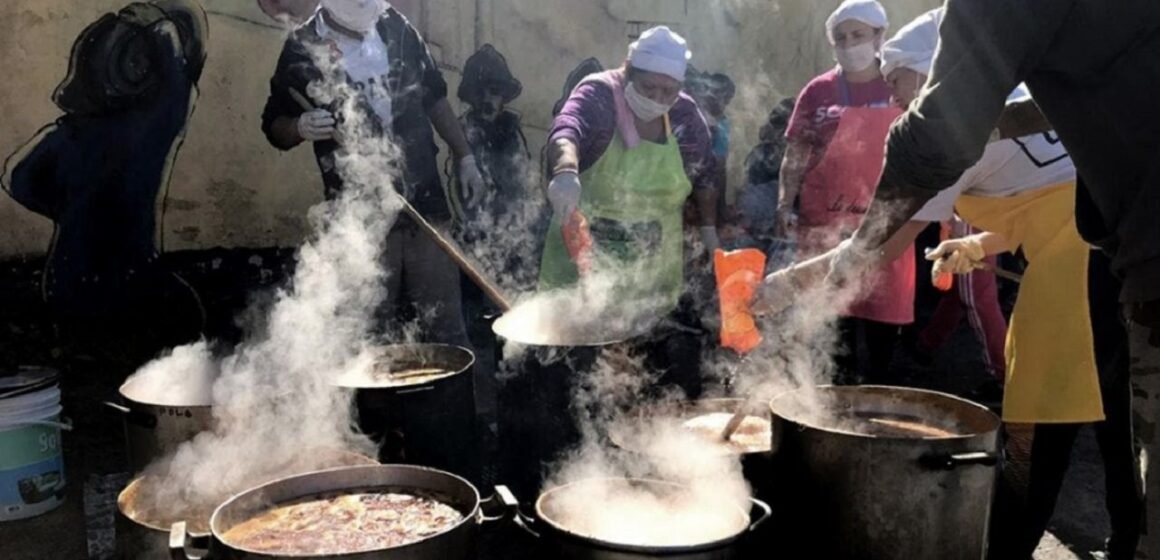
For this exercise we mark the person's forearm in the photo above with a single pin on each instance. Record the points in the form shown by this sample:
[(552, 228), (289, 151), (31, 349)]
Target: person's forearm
[(793, 172), (897, 244), (706, 206), (563, 156), (993, 243), (284, 132), (445, 123), (891, 210)]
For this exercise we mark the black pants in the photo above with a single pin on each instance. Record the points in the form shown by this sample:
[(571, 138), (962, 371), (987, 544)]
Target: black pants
[(1020, 518), (879, 342)]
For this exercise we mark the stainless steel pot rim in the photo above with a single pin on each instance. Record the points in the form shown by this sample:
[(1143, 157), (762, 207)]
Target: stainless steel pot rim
[(135, 400), (468, 517), (808, 423), (349, 382), (502, 328), (619, 547), (122, 497), (676, 410)]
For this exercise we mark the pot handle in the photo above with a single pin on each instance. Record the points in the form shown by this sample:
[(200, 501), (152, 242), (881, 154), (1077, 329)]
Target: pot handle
[(950, 462), (135, 417), (776, 433), (506, 500), (423, 389), (180, 541), (763, 516), (525, 522)]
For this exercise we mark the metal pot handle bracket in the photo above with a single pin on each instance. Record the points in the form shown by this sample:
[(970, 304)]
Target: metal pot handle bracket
[(180, 542), (422, 389), (521, 519), (525, 522), (950, 462), (135, 417), (766, 513), (504, 499)]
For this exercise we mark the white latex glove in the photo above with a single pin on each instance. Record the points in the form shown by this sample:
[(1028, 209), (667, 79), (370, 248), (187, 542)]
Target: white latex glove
[(776, 293), (471, 182), (710, 239), (564, 194), (316, 125), (957, 256)]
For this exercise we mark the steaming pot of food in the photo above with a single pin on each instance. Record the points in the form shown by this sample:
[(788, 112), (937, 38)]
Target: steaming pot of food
[(706, 419), (156, 424), (881, 473), (399, 512), (143, 528), (627, 519), (417, 401), (549, 344)]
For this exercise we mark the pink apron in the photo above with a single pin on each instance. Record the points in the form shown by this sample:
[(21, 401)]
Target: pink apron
[(835, 196)]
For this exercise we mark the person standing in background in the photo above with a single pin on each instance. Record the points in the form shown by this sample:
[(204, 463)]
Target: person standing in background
[(496, 137), (836, 140), (1067, 351), (371, 47), (975, 296), (756, 205)]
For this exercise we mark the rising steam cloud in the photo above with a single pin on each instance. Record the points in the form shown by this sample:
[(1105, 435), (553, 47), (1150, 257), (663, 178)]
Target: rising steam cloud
[(276, 408)]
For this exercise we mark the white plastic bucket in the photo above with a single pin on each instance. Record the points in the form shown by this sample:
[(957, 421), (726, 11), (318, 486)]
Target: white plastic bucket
[(31, 467)]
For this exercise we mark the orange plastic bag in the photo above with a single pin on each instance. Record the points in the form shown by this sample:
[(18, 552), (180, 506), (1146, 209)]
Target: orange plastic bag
[(578, 241), (945, 281), (738, 277)]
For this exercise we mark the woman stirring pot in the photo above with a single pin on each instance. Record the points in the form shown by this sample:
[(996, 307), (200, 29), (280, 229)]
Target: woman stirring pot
[(625, 153)]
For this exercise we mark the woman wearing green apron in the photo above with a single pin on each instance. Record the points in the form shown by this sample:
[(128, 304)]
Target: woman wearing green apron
[(626, 152)]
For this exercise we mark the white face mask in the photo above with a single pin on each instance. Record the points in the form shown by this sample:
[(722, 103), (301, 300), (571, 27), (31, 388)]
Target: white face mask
[(355, 15), (858, 57), (644, 108)]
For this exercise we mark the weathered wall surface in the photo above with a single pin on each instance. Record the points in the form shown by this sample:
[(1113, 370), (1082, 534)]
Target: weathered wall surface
[(230, 188)]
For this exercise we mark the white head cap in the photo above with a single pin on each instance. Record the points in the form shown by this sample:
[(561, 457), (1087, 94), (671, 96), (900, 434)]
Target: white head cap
[(662, 51), (914, 45), (869, 12)]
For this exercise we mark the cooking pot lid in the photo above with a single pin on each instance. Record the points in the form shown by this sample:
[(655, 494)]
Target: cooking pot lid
[(27, 379)]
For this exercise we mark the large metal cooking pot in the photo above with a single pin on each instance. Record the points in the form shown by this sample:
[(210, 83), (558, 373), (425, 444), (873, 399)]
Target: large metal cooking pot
[(424, 420), (545, 359), (882, 473), (756, 464), (140, 537), (154, 430), (559, 542), (457, 543)]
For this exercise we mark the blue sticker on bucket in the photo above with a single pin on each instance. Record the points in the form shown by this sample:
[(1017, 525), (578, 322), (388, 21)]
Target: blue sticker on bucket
[(32, 484)]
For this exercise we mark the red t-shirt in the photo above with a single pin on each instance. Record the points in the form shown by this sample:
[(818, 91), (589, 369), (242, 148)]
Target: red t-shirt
[(819, 107)]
